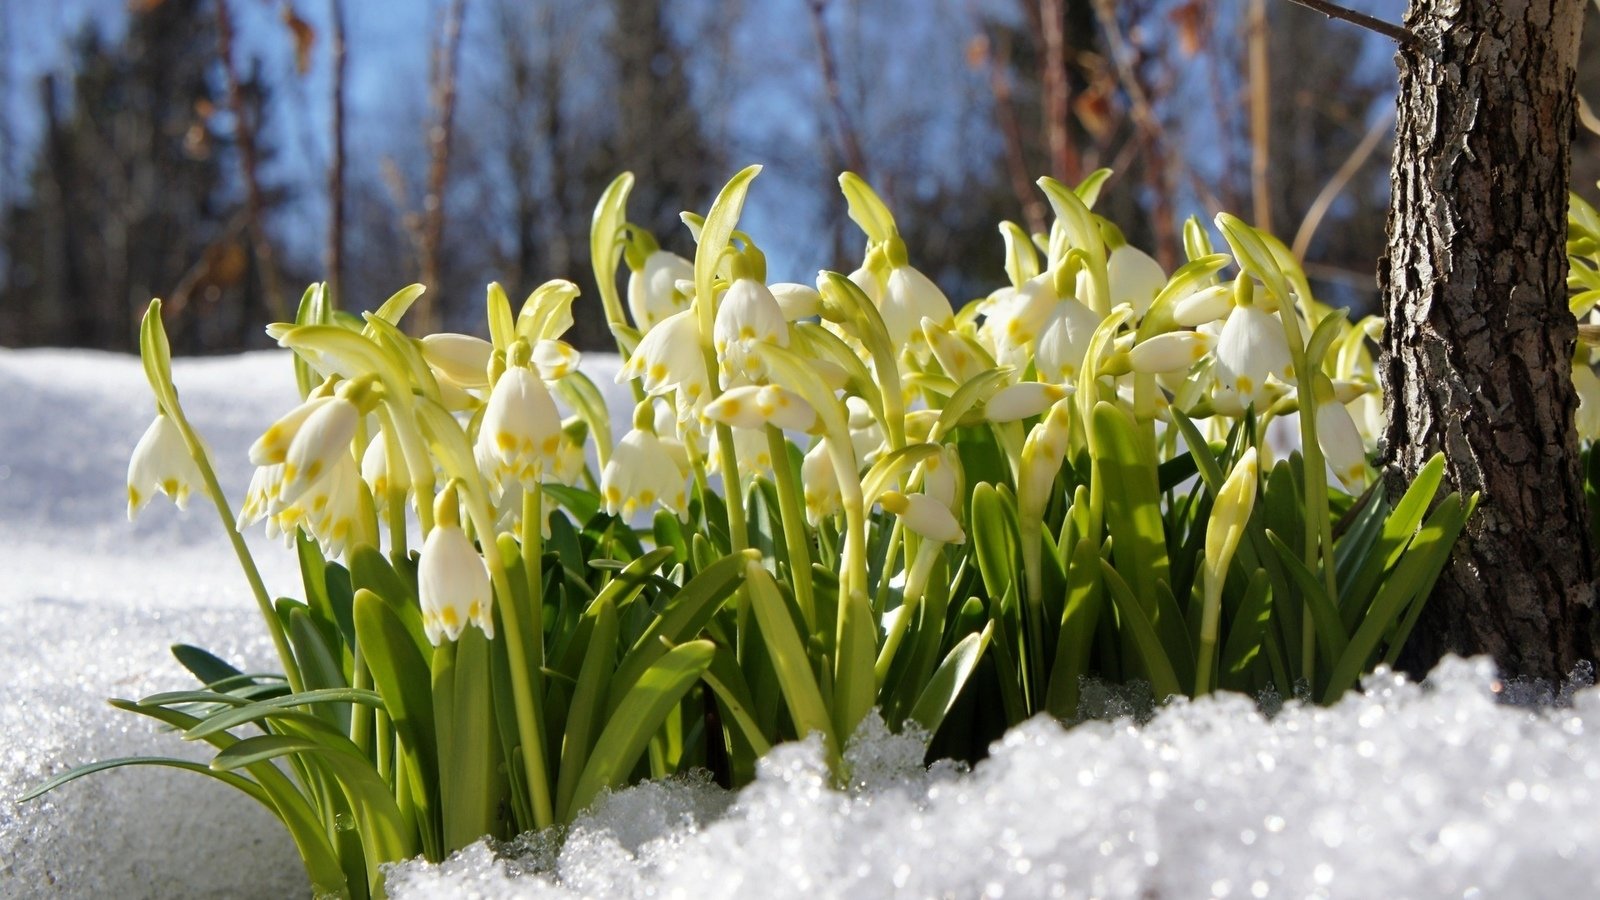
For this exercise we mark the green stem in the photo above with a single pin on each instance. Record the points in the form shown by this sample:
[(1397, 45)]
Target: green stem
[(1208, 635), (911, 601), (795, 536), (732, 488), (280, 639)]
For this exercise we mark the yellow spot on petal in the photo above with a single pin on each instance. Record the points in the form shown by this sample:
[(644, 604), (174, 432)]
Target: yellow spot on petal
[(647, 497), (1246, 386), (613, 496), (747, 333), (313, 470), (474, 610), (551, 444), (658, 371), (448, 617)]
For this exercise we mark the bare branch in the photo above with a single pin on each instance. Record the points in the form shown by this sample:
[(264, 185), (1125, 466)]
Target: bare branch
[(245, 136), (1336, 185), (333, 259), (854, 159), (1057, 93), (1405, 37), (446, 53)]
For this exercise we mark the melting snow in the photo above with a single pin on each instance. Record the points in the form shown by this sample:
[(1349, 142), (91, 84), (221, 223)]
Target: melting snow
[(1440, 790)]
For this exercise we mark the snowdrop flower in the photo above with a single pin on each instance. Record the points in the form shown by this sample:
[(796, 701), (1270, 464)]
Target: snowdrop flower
[(961, 359), (1205, 305), (749, 447), (668, 359), (866, 433), (750, 406), (747, 317), (1065, 341), (643, 471), (1023, 400), (798, 301), (939, 476), (520, 435), (1017, 317), (909, 297), (1339, 439), (653, 294), (379, 475), (820, 484), (328, 509), (924, 515), (160, 462), (1174, 351), (1042, 453), (1252, 346), (459, 359), (452, 580), (272, 447), (321, 443), (1136, 278)]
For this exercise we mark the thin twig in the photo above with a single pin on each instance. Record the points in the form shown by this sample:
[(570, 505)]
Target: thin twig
[(850, 142), (1260, 116), (334, 258), (1336, 185), (446, 54), (1400, 34), (1057, 93), (244, 136), (1005, 113)]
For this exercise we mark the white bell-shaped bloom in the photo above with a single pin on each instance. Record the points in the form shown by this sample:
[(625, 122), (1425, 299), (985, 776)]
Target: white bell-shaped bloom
[(909, 297), (1175, 351), (160, 462), (1209, 304), (642, 472), (452, 579), (750, 406), (798, 301), (328, 510), (322, 440), (261, 496), (460, 359), (925, 516), (1251, 347), (749, 447), (669, 359), (653, 294), (1065, 341), (1136, 278), (819, 482), (1023, 400), (272, 447), (380, 475), (869, 282), (554, 359), (747, 317), (1042, 454), (939, 476), (866, 433), (960, 358), (1341, 444), (520, 435), (1017, 319)]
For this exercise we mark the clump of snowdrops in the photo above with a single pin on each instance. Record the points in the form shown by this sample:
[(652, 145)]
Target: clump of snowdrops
[(834, 497)]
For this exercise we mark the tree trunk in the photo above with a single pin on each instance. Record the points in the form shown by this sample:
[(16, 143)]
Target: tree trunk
[(1479, 340)]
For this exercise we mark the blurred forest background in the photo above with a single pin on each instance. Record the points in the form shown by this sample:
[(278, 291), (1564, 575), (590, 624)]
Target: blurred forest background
[(222, 154)]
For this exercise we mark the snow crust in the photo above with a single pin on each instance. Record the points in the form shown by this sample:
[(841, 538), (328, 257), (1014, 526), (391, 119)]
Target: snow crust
[(1442, 790)]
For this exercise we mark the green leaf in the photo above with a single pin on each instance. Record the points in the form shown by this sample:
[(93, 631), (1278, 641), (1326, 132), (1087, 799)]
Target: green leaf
[(733, 694), (319, 663), (994, 540), (1409, 583), (1136, 623), (1080, 617), (472, 784), (1133, 504), (804, 698), (640, 714), (1246, 631), (1398, 530), (395, 307), (583, 720), (948, 680), (604, 231), (717, 230), (1254, 256), (976, 390), (1022, 262), (229, 778), (684, 616), (400, 674), (227, 719), (1331, 637), (867, 209), (203, 665)]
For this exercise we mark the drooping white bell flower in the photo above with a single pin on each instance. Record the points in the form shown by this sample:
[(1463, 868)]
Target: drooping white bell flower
[(1136, 278), (272, 447), (909, 297), (328, 510), (747, 317), (261, 497), (1065, 341), (452, 580), (798, 301), (925, 516), (751, 406), (520, 435), (866, 432), (1023, 400), (160, 462), (380, 476), (939, 476), (653, 294), (554, 359), (1251, 347), (642, 472), (1339, 439), (669, 359), (1017, 319), (322, 440), (1175, 351), (819, 482), (459, 359)]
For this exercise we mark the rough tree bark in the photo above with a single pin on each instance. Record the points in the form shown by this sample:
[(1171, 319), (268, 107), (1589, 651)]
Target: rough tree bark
[(1479, 339)]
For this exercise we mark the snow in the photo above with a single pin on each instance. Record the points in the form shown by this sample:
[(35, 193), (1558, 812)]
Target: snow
[(1441, 790)]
